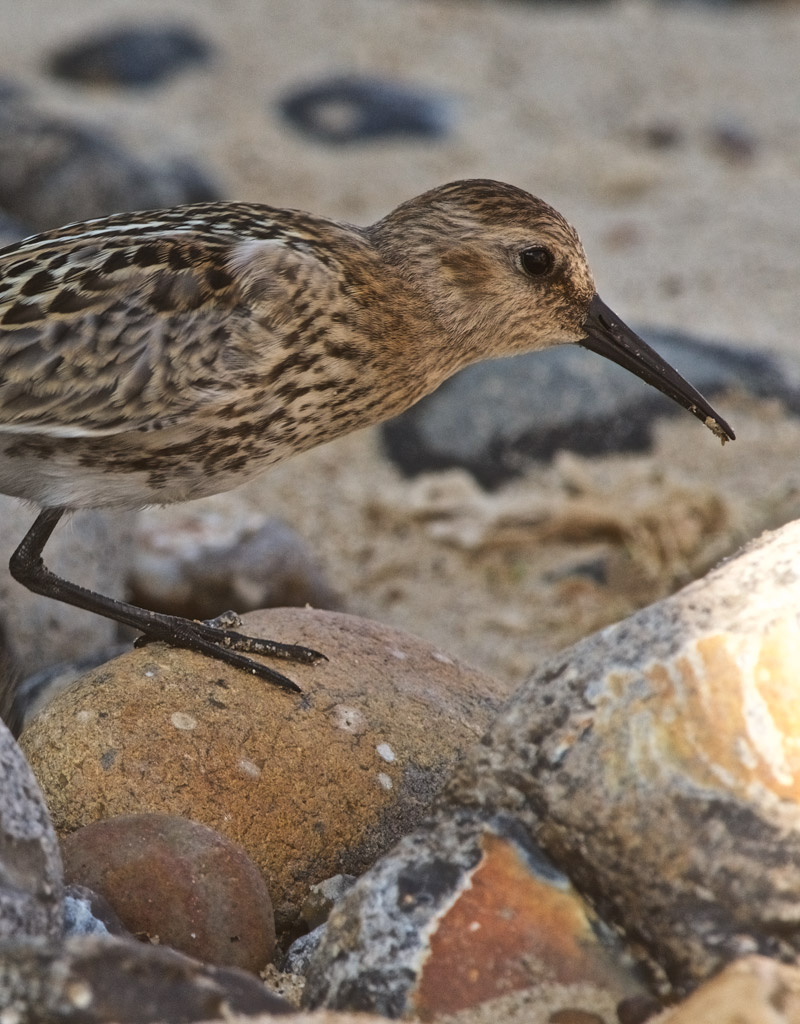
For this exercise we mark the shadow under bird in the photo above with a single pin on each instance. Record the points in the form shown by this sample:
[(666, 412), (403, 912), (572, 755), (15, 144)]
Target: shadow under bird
[(156, 357)]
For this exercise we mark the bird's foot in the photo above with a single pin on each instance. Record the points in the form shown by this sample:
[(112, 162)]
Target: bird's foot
[(215, 639)]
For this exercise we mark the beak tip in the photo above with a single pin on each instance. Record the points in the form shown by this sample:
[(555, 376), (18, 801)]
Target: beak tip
[(608, 336), (720, 429)]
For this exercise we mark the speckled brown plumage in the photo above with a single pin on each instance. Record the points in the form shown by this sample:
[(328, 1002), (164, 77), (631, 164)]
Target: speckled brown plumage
[(167, 355)]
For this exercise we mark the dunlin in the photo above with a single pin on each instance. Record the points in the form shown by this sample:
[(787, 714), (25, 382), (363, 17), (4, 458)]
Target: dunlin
[(155, 357)]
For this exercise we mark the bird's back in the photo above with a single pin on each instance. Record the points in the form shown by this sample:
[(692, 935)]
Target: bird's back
[(160, 356)]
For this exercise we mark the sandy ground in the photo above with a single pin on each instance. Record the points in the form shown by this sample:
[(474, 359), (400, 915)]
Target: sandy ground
[(557, 99)]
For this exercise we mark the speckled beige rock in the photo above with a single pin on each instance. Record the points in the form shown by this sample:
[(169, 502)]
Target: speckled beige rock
[(754, 990), (309, 785), (658, 764)]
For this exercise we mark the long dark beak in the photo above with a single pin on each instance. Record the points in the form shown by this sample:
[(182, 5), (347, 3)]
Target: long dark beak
[(607, 335)]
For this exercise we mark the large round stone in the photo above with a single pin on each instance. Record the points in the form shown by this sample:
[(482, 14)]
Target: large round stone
[(310, 785)]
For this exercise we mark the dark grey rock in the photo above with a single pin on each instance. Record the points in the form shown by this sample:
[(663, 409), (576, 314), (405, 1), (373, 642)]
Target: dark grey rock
[(733, 140), (131, 55), (494, 418), (53, 171), (349, 109), (662, 134), (31, 876), (12, 230), (92, 980), (10, 90), (300, 954)]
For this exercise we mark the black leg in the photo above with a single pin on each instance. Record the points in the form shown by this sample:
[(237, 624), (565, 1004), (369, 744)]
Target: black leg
[(27, 568)]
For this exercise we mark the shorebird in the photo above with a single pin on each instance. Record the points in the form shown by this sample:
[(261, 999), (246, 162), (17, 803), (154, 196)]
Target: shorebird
[(156, 357)]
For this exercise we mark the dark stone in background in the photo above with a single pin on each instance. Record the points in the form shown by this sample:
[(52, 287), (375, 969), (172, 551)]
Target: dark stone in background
[(494, 418), (54, 171), (12, 230), (133, 56), (346, 109)]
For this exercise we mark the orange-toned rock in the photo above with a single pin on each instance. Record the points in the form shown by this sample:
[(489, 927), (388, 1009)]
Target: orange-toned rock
[(466, 914), (513, 925), (658, 764), (310, 785)]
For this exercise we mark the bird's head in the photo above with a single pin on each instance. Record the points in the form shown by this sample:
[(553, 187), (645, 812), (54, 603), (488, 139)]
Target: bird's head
[(504, 273)]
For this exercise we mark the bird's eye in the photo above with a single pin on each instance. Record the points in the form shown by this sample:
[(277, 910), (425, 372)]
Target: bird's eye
[(537, 261)]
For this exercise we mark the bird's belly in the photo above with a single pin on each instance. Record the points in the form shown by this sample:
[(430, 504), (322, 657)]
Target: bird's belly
[(205, 456), (116, 473)]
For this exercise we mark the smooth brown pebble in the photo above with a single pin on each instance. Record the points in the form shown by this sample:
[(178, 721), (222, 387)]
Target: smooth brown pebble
[(179, 883)]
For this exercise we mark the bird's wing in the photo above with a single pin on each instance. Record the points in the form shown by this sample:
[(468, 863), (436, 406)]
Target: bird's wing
[(102, 333)]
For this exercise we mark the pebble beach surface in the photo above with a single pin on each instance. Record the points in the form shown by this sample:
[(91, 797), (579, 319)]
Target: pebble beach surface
[(669, 135)]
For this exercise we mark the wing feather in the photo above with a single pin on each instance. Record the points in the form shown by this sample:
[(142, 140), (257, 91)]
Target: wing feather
[(137, 322), (100, 337)]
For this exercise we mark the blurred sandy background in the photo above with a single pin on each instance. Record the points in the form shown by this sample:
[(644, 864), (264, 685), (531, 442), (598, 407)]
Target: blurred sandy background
[(565, 100)]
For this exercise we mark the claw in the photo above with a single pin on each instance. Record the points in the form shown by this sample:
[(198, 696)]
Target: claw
[(226, 620)]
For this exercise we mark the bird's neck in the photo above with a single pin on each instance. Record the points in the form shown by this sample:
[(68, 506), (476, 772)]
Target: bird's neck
[(425, 324)]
